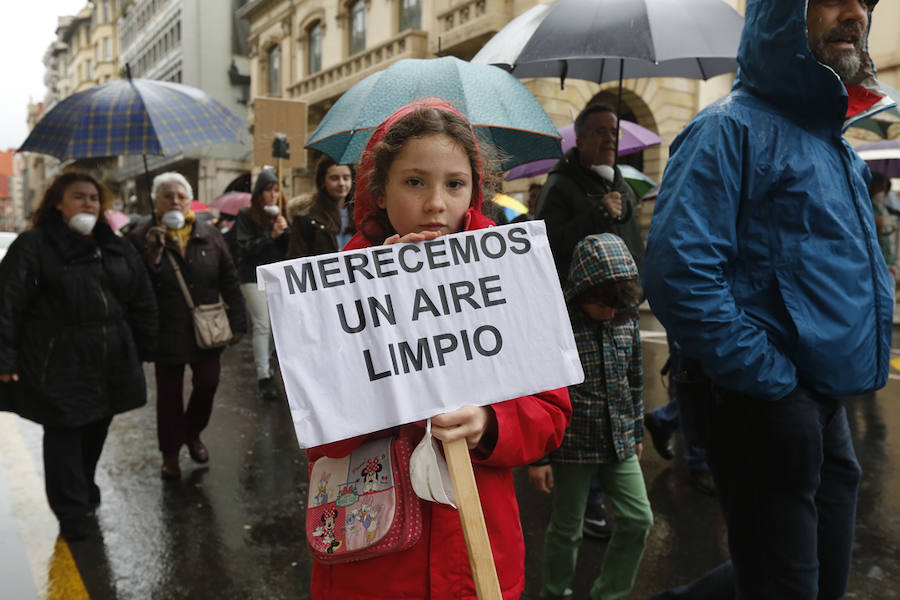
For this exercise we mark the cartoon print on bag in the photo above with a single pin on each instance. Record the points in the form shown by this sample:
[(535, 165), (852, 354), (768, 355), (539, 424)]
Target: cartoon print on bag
[(322, 496), (370, 475), (326, 531), (367, 516)]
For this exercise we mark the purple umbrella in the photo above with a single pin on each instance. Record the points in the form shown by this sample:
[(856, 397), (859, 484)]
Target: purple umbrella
[(634, 138), (883, 157)]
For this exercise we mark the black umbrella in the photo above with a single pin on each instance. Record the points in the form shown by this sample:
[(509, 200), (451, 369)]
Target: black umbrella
[(608, 40)]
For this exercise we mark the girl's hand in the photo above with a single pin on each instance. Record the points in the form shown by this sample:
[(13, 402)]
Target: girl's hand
[(541, 478), (411, 238), (469, 422), (8, 377), (279, 226)]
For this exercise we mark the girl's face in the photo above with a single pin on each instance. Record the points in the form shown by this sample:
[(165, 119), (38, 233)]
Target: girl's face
[(172, 196), (338, 181), (270, 194), (79, 197), (429, 186)]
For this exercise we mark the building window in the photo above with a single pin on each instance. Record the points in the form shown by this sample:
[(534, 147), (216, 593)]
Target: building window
[(314, 48), (274, 71), (410, 14), (90, 69), (106, 12), (107, 48), (357, 26)]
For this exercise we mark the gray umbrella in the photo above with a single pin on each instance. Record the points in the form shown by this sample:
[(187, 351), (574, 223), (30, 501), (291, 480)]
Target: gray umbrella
[(605, 40)]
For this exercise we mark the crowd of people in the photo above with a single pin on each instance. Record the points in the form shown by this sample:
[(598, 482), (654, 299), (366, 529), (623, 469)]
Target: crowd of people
[(746, 267)]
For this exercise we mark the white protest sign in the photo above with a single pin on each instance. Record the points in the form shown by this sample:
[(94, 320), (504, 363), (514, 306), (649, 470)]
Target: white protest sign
[(373, 338)]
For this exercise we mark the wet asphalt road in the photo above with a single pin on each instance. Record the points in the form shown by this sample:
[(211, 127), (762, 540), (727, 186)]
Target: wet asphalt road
[(233, 529)]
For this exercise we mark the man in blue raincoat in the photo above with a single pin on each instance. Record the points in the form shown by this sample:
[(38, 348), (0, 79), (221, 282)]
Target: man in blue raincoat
[(763, 265)]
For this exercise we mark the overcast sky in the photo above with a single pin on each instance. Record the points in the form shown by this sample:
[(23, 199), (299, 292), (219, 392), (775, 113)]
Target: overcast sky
[(28, 28)]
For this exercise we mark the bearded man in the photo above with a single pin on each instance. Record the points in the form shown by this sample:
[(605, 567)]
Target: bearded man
[(763, 265)]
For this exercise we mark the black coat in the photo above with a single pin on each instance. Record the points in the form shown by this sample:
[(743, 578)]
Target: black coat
[(570, 203), (314, 229), (208, 271), (256, 246), (76, 319)]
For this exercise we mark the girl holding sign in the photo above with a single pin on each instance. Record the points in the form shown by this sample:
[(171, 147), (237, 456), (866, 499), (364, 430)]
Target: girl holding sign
[(420, 178)]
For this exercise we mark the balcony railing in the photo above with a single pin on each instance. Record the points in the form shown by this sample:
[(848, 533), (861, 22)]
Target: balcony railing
[(336, 80), (464, 27)]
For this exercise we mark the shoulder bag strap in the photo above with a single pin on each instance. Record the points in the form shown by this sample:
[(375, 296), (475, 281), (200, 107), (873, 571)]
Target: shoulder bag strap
[(181, 283)]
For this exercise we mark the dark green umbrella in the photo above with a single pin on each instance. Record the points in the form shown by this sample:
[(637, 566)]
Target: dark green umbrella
[(501, 110)]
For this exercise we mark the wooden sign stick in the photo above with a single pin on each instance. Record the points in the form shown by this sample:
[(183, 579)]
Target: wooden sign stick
[(478, 544)]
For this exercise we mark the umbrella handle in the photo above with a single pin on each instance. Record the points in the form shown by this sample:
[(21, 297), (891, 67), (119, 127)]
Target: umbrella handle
[(149, 188), (281, 200)]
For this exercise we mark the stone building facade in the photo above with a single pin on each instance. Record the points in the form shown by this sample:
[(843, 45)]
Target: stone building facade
[(315, 50)]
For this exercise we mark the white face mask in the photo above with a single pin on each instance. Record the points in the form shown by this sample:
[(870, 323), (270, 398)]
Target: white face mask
[(604, 171), (82, 223), (173, 219), (428, 471), (271, 210)]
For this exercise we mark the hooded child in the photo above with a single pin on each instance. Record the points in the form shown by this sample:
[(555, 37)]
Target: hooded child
[(604, 439)]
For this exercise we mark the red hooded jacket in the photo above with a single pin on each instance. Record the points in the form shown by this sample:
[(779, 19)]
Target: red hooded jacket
[(437, 567)]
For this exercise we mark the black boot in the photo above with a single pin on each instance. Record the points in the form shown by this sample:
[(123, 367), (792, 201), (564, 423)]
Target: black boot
[(268, 390)]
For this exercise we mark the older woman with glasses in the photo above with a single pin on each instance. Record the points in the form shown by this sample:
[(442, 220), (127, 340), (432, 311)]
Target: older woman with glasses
[(199, 251)]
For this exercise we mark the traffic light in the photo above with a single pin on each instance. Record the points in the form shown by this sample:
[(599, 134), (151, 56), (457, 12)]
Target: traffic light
[(280, 147)]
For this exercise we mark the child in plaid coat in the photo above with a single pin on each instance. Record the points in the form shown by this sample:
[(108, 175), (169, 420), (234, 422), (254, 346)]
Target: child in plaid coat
[(605, 434)]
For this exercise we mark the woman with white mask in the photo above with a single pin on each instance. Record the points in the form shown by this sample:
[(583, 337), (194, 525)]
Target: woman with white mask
[(261, 235), (77, 317), (202, 257)]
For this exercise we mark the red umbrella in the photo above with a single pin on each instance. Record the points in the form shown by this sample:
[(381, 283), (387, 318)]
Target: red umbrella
[(198, 206), (231, 202)]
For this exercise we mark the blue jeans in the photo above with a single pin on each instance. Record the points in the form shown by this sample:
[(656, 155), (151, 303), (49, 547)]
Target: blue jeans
[(787, 478), (668, 416)]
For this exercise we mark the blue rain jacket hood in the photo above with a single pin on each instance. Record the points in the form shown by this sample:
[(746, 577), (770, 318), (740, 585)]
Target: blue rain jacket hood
[(762, 260), (776, 64)]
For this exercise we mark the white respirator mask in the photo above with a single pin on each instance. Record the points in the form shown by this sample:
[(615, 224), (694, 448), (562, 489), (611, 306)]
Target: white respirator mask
[(82, 223), (271, 209), (173, 219)]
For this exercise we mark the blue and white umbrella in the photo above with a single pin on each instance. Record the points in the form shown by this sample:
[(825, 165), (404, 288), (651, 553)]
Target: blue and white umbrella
[(133, 116)]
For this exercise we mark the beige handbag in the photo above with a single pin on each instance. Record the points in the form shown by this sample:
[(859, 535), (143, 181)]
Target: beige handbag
[(211, 326)]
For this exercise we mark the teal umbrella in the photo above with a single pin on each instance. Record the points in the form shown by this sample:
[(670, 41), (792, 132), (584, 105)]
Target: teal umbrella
[(502, 111)]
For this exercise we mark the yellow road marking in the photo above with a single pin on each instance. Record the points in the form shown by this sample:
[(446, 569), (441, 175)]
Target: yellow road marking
[(895, 362), (53, 569), (63, 580)]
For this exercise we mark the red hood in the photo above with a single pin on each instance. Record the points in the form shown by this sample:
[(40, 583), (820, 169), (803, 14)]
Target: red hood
[(364, 205)]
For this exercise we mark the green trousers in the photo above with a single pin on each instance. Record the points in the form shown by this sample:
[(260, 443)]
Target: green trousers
[(624, 486)]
